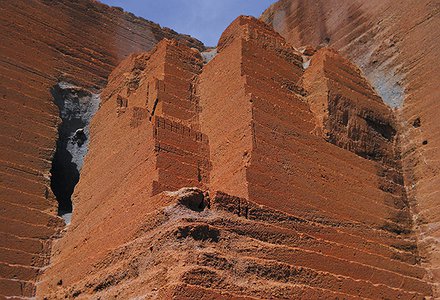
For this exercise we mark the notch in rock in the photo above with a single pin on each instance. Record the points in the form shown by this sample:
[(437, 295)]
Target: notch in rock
[(192, 198), (154, 108), (417, 123), (385, 129)]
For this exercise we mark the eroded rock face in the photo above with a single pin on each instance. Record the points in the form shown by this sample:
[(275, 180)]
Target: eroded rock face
[(395, 44), (239, 178), (145, 140), (252, 170), (77, 107), (44, 43)]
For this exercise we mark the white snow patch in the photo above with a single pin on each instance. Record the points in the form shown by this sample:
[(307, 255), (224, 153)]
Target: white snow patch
[(389, 88), (384, 77)]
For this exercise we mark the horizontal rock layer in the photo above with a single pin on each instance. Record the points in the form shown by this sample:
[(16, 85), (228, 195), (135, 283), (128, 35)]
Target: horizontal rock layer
[(396, 46), (227, 181), (44, 42)]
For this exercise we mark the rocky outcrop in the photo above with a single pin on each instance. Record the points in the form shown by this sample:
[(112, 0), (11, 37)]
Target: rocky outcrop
[(253, 170), (349, 112), (145, 139), (245, 177), (395, 44), (44, 43)]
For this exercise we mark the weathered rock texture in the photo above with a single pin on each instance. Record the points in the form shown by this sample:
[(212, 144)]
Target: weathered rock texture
[(245, 178), (395, 43), (146, 140), (44, 42)]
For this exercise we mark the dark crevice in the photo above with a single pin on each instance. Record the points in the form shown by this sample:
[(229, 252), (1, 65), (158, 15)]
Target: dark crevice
[(199, 232), (77, 107), (194, 202), (417, 123), (345, 118), (199, 173), (384, 129), (154, 108), (64, 178)]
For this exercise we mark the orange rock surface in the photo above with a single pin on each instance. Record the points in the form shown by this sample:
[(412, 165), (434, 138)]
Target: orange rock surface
[(239, 179), (44, 42), (256, 170), (396, 46)]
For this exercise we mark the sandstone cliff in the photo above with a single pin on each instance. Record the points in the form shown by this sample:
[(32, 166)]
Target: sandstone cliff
[(226, 181), (45, 42), (256, 170), (396, 46)]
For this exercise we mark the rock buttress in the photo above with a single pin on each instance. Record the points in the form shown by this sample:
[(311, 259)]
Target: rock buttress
[(144, 140), (288, 213), (350, 114), (44, 42), (396, 46), (277, 161)]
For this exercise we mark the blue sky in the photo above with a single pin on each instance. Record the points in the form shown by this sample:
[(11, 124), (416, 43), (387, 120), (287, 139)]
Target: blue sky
[(203, 19)]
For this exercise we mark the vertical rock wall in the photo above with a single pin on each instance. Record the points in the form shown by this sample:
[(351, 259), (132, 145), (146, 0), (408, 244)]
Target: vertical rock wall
[(284, 167), (280, 203), (395, 44), (43, 43), (226, 118), (145, 140), (291, 180)]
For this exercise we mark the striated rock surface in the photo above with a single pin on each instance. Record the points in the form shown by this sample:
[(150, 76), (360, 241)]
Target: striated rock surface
[(396, 46), (247, 177), (146, 141), (45, 42), (253, 170)]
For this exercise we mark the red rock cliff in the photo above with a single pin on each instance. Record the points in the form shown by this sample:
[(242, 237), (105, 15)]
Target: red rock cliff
[(226, 181), (44, 42), (396, 46)]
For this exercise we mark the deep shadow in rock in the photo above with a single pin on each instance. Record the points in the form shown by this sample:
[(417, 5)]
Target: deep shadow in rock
[(77, 106)]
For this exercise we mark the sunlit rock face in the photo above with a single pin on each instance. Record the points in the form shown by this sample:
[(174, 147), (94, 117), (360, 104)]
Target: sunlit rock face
[(240, 177), (395, 44), (44, 43), (297, 159), (386, 39)]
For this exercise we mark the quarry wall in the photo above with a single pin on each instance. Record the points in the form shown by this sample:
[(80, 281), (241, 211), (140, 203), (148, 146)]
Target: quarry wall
[(265, 171), (44, 43), (395, 44), (209, 177)]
